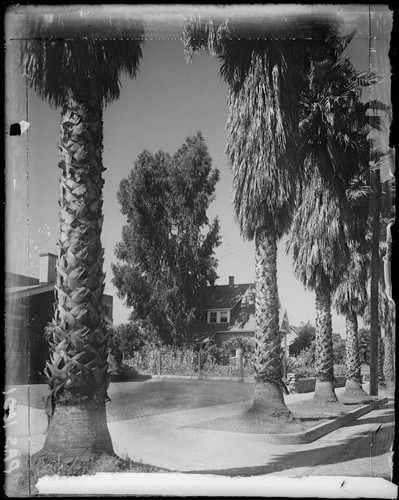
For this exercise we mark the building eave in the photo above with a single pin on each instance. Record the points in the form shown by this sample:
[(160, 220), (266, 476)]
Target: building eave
[(21, 292)]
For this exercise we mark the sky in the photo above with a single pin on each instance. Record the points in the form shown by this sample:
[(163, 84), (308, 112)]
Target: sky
[(169, 100)]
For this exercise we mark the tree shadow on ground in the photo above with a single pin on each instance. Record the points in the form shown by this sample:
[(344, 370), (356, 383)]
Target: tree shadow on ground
[(362, 445)]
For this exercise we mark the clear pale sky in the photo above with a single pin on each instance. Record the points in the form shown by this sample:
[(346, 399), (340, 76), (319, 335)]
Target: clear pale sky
[(168, 101)]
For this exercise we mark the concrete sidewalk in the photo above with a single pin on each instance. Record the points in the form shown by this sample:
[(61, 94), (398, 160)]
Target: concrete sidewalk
[(167, 440)]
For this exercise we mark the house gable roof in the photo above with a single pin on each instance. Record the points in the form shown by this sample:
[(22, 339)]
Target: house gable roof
[(225, 296), (240, 299)]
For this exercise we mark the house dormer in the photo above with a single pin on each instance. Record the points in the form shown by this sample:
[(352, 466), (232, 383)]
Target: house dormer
[(218, 316)]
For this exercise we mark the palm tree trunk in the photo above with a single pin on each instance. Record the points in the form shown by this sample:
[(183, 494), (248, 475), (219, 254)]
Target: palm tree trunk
[(353, 386), (267, 360), (324, 390), (381, 362), (78, 373), (388, 355)]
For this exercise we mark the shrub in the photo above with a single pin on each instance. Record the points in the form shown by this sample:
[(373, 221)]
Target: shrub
[(305, 372), (175, 360), (126, 338), (305, 361), (339, 370), (246, 344), (216, 355), (291, 364), (145, 360)]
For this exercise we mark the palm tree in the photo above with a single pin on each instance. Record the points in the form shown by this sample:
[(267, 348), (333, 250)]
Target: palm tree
[(69, 62), (385, 345), (316, 240), (387, 325), (334, 147), (350, 300), (264, 82)]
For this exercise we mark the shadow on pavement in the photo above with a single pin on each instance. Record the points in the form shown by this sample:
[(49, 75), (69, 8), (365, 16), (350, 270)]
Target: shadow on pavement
[(383, 419), (364, 445)]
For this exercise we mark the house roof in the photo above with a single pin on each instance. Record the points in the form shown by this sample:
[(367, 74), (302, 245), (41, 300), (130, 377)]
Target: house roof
[(17, 292), (242, 312), (226, 296), (13, 280)]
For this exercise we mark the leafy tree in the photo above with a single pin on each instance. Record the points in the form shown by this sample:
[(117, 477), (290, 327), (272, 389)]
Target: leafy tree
[(167, 247), (264, 76), (70, 60), (127, 338), (306, 335)]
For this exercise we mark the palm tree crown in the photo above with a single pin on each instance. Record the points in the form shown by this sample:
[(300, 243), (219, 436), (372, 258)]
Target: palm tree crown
[(62, 50)]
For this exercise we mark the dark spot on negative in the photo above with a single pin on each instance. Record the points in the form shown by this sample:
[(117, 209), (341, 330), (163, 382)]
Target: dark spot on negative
[(15, 129)]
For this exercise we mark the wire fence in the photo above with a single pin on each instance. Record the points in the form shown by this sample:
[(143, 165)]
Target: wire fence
[(189, 362)]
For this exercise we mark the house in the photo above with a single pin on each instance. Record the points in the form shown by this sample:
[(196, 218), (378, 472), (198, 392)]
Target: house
[(229, 311), (29, 306)]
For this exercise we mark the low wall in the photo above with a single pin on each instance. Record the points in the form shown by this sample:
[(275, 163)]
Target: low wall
[(308, 384)]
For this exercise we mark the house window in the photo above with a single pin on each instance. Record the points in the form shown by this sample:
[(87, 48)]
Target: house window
[(223, 317), (218, 316), (213, 317)]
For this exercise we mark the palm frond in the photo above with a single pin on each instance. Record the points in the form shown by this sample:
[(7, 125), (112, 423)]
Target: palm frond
[(62, 50)]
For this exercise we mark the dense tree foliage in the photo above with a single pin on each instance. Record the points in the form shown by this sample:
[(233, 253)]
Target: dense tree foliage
[(304, 339), (167, 247), (127, 338)]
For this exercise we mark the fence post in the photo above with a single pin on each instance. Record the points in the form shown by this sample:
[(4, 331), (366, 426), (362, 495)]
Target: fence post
[(239, 356), (199, 364), (159, 363)]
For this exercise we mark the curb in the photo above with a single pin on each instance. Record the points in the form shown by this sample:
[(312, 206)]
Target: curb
[(248, 380), (322, 429)]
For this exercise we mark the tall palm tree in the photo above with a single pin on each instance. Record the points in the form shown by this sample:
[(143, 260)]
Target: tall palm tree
[(69, 60), (264, 78), (334, 147)]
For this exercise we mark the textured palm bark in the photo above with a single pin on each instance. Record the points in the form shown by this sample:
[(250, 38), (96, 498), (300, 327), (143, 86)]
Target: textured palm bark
[(353, 385), (324, 365), (78, 430), (267, 360), (352, 364), (381, 361), (388, 355), (78, 371)]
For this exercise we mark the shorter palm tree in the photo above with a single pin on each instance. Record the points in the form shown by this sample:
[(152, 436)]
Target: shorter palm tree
[(318, 236), (350, 300), (385, 322)]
